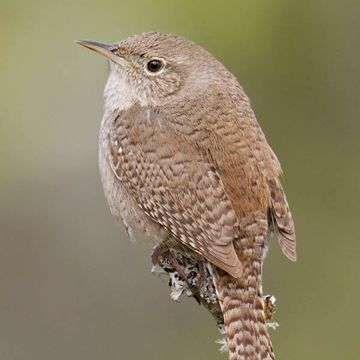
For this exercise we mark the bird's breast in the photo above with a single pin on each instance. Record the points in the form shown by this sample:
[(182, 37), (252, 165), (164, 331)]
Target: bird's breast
[(122, 206)]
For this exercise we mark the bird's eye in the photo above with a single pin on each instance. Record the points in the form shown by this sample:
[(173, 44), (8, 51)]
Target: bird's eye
[(155, 65)]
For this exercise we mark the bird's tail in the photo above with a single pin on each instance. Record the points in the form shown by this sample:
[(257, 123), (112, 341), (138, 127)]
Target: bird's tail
[(242, 306)]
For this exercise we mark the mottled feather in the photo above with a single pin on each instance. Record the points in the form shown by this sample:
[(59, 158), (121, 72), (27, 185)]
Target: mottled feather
[(182, 156), (175, 186), (284, 224)]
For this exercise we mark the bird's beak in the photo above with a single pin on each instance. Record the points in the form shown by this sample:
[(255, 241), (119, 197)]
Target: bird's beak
[(103, 49)]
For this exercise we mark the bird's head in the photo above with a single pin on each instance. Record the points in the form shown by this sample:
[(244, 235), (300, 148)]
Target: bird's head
[(153, 67)]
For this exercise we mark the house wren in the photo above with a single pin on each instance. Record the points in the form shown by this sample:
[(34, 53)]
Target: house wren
[(185, 164)]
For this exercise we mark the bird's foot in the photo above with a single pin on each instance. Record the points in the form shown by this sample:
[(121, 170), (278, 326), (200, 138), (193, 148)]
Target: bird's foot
[(181, 274), (158, 253)]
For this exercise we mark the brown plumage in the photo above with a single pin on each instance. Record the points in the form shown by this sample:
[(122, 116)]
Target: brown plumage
[(182, 157)]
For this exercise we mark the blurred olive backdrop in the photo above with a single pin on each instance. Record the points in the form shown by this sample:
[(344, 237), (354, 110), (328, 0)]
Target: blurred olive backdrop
[(71, 284)]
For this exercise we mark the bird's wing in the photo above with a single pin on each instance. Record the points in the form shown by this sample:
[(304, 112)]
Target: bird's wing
[(175, 185), (284, 224), (245, 163)]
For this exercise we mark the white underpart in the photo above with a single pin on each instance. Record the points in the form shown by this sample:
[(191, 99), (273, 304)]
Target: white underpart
[(118, 93)]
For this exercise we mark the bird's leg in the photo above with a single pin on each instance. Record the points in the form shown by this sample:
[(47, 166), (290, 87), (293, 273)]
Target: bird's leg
[(164, 252), (161, 249)]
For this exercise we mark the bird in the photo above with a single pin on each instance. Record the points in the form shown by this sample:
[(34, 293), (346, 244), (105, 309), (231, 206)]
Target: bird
[(185, 164)]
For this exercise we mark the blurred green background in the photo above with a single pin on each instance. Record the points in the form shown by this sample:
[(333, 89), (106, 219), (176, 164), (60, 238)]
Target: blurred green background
[(71, 284)]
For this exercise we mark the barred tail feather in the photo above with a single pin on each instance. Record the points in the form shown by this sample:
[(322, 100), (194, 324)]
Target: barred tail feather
[(243, 309)]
